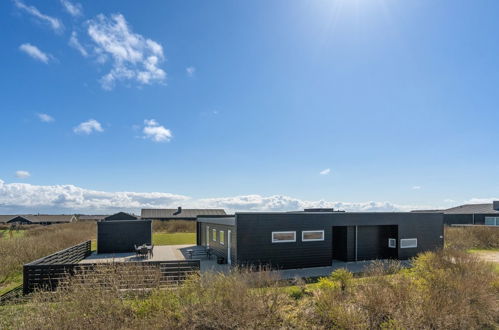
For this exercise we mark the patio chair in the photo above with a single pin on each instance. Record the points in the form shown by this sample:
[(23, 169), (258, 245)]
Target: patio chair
[(143, 251), (150, 249)]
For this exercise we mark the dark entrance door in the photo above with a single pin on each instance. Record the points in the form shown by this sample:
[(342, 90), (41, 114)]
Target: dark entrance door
[(344, 243), (372, 242)]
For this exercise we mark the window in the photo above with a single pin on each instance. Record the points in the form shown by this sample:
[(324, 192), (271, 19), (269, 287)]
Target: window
[(392, 243), (312, 235), (221, 233), (406, 243), (283, 236), (214, 234), (492, 221)]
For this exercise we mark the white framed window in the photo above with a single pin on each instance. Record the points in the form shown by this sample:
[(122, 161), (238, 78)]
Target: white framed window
[(214, 235), (312, 235), (221, 237), (406, 243), (392, 243), (283, 236), (492, 221)]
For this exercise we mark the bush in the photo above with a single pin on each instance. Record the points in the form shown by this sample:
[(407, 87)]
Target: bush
[(444, 290), (472, 237), (214, 301), (343, 277)]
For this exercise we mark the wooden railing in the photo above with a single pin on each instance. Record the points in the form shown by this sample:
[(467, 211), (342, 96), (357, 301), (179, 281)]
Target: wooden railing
[(72, 254), (50, 272)]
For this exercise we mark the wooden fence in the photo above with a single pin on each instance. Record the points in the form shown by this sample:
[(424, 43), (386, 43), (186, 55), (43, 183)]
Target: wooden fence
[(50, 272), (14, 294)]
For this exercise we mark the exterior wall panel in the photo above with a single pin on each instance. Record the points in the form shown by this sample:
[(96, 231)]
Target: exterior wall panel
[(121, 236), (255, 243)]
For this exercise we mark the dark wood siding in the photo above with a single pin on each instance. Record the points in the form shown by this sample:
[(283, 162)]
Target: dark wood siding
[(255, 242), (217, 248), (122, 236), (372, 242), (468, 219)]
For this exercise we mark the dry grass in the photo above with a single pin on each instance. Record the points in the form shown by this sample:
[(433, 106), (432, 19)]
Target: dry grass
[(39, 241), (472, 237), (174, 226), (444, 290), (214, 301)]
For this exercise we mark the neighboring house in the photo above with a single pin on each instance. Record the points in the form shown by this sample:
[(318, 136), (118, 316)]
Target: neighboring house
[(121, 216), (38, 219), (471, 214), (179, 213), (313, 239), (4, 218), (91, 217)]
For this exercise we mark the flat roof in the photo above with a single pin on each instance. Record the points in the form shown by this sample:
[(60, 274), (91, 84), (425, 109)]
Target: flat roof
[(227, 220)]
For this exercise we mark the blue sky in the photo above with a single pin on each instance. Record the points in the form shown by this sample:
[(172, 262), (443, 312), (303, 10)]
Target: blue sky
[(242, 105)]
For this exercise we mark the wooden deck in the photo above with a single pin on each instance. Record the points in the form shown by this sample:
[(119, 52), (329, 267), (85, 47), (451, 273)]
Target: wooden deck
[(160, 253)]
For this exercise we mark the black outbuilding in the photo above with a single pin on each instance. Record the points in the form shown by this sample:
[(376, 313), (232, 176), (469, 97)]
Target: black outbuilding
[(312, 239), (120, 232)]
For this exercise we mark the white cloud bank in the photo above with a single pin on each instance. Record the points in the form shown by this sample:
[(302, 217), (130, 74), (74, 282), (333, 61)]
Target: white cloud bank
[(53, 22), (155, 132), (88, 127), (35, 52), (22, 174), (325, 171), (132, 57), (21, 197)]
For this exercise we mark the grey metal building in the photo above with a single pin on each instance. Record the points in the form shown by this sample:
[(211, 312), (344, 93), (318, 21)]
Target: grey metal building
[(311, 239)]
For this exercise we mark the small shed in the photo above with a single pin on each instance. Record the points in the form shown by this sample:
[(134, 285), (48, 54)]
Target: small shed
[(120, 233)]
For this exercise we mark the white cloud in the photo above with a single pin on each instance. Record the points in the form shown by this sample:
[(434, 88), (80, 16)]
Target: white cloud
[(286, 203), (35, 53), (74, 9), (20, 197), (53, 22), (476, 200), (45, 118), (88, 127), (325, 171), (75, 43), (22, 174), (155, 132), (416, 187), (191, 71), (133, 57)]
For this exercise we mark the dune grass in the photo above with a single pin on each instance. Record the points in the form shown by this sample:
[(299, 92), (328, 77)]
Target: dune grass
[(6, 233)]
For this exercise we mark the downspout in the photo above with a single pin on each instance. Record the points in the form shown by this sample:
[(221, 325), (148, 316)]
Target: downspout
[(356, 243)]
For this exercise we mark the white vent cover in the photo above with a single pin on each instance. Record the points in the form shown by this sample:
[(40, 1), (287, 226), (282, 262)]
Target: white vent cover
[(392, 243)]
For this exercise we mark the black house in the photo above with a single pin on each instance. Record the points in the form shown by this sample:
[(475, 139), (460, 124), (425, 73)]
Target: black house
[(311, 239)]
